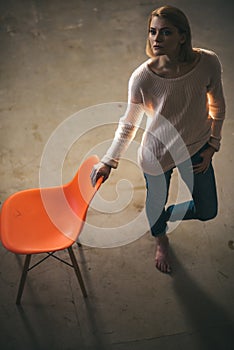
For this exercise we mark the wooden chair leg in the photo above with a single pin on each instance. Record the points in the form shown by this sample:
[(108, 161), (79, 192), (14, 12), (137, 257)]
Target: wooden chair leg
[(23, 278), (77, 271)]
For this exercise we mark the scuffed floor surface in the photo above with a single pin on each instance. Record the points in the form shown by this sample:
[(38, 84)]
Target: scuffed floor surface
[(60, 57)]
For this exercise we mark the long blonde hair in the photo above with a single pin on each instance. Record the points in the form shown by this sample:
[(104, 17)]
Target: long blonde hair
[(178, 19)]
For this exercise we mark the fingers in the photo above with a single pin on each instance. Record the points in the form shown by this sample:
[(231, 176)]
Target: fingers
[(93, 176), (204, 165), (201, 167), (99, 170)]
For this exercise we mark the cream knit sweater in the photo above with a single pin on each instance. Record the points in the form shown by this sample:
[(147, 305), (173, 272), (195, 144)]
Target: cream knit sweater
[(182, 113)]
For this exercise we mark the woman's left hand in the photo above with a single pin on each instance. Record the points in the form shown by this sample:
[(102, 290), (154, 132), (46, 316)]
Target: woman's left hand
[(206, 156)]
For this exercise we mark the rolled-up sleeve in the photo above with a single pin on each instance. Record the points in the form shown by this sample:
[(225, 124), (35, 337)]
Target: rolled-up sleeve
[(216, 104), (128, 125)]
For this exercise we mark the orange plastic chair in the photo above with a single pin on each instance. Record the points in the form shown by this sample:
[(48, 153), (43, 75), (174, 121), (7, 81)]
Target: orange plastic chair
[(47, 220)]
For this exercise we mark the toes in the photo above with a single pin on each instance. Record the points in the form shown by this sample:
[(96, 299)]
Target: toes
[(169, 270), (163, 267)]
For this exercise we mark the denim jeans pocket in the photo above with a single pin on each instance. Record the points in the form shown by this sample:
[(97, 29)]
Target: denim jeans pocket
[(196, 158)]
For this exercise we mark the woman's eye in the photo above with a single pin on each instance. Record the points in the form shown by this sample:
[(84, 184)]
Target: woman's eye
[(166, 32), (152, 31)]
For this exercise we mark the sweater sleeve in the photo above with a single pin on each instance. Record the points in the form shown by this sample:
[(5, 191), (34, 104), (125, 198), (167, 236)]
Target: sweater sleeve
[(128, 124), (216, 103)]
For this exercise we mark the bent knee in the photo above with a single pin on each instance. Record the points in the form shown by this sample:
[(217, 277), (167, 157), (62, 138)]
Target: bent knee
[(207, 216)]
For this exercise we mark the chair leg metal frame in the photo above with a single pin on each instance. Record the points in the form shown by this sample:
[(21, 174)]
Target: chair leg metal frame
[(26, 269), (23, 278)]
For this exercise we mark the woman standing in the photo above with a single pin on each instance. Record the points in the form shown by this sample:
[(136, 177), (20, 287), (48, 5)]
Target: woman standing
[(179, 88)]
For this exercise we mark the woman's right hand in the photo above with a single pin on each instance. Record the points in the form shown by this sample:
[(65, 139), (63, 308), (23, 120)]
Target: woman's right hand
[(100, 170)]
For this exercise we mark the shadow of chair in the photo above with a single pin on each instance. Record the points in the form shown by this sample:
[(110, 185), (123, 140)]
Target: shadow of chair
[(47, 220)]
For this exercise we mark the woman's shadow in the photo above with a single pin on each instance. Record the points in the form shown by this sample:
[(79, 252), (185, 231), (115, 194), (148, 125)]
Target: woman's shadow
[(211, 325)]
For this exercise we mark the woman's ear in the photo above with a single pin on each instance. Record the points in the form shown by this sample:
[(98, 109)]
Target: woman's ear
[(182, 38)]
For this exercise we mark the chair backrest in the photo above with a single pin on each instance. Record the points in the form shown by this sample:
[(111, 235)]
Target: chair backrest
[(66, 206), (80, 191)]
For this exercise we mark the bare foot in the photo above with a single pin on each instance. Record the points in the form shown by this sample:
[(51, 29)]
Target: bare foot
[(162, 254)]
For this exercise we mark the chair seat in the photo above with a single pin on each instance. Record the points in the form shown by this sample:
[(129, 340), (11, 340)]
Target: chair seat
[(28, 224)]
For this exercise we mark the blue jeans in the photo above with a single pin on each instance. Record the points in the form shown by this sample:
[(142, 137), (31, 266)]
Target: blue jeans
[(202, 187)]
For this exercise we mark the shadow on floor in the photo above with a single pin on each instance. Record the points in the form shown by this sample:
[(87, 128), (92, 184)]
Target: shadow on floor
[(214, 326)]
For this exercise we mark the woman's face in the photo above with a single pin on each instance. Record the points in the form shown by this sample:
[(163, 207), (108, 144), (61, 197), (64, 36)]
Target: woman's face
[(164, 38)]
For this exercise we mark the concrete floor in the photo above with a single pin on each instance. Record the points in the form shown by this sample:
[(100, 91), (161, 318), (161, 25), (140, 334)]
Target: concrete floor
[(57, 58)]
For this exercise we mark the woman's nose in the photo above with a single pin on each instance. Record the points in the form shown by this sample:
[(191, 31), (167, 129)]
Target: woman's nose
[(157, 37)]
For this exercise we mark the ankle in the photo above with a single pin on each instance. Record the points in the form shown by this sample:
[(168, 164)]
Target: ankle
[(162, 240)]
